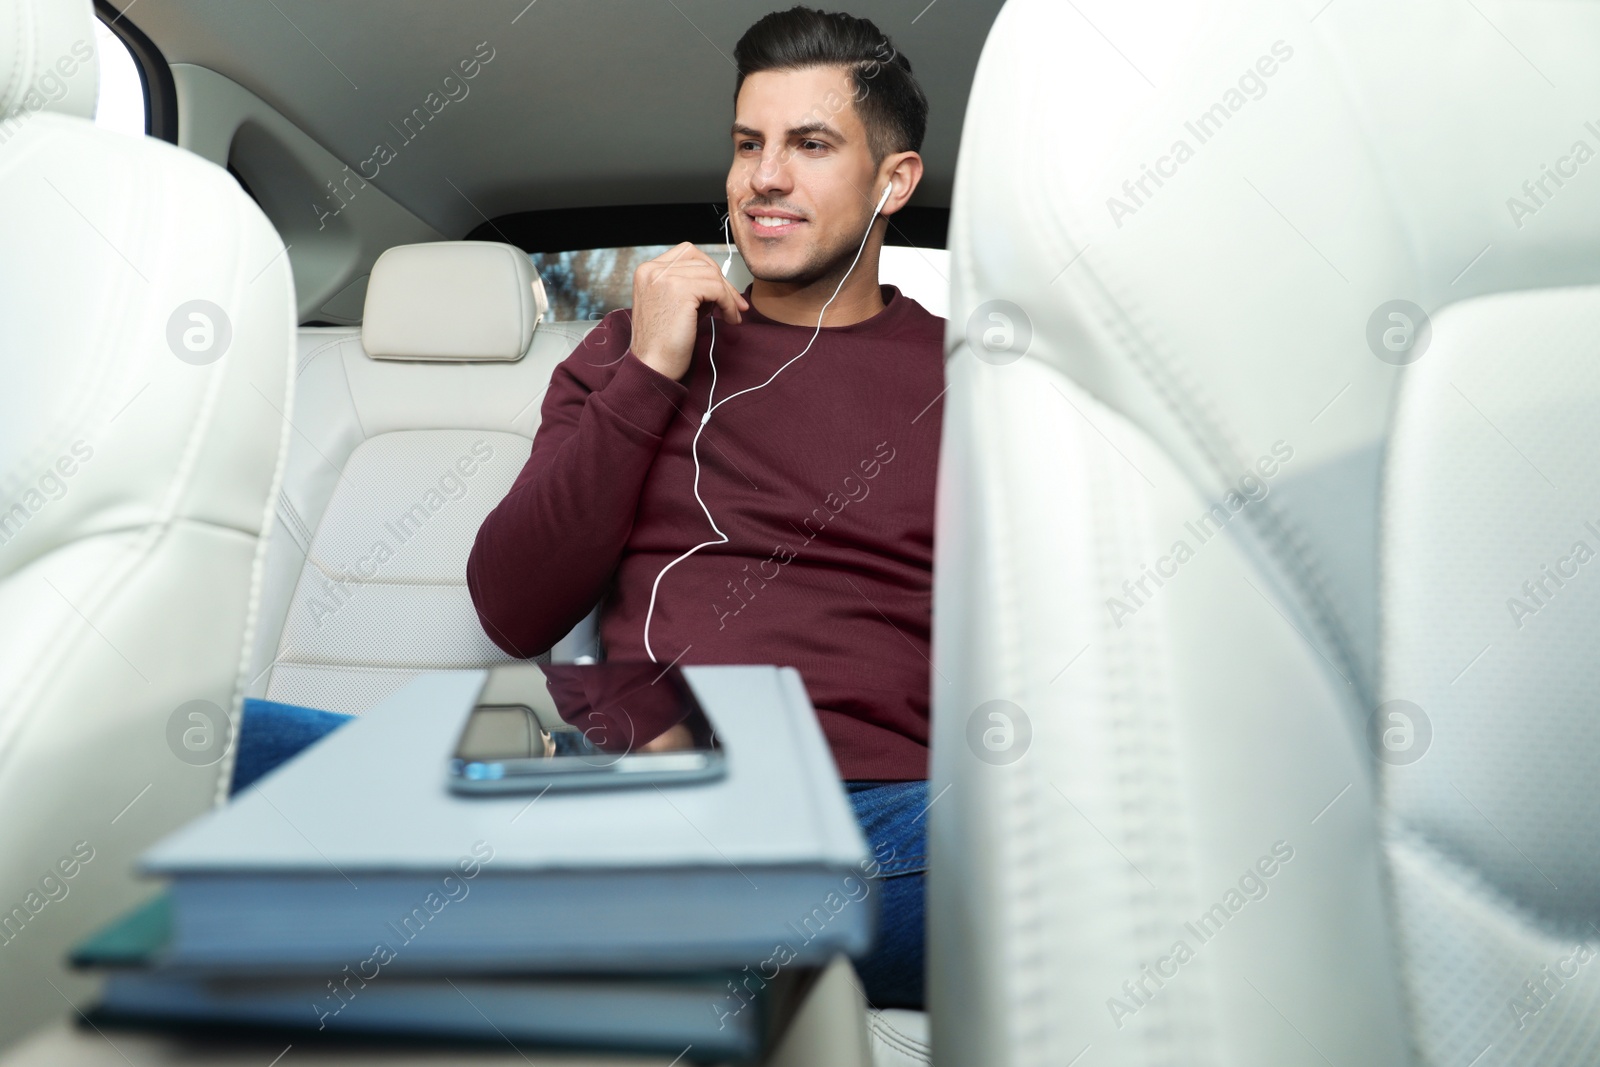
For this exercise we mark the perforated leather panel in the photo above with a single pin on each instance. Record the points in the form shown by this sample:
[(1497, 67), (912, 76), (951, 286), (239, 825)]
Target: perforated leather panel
[(384, 582), (1491, 559)]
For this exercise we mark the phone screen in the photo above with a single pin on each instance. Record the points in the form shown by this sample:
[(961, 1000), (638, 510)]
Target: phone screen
[(613, 723)]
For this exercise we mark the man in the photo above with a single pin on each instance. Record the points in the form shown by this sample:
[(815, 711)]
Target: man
[(796, 525)]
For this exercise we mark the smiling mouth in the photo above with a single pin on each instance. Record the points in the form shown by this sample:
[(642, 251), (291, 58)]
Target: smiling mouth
[(769, 226)]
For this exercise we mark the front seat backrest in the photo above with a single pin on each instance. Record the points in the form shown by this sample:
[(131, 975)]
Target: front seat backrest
[(146, 339), (1232, 344)]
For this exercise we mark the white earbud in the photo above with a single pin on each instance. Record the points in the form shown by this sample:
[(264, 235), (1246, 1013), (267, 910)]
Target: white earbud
[(712, 404)]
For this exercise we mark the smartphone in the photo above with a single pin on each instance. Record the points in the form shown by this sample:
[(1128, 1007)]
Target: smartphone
[(585, 726)]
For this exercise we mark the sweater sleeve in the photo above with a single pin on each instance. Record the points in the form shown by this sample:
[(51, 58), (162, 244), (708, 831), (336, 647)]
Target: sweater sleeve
[(544, 555)]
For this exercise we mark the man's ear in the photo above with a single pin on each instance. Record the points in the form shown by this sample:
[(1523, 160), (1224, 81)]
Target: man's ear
[(904, 170)]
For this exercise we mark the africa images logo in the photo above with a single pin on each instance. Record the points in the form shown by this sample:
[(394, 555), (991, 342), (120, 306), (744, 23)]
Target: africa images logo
[(48, 487), (340, 584)]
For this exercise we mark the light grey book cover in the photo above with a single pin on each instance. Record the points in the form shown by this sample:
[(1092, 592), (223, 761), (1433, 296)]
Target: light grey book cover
[(359, 839)]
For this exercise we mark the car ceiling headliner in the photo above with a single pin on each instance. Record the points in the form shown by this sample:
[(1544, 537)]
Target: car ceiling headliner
[(585, 103)]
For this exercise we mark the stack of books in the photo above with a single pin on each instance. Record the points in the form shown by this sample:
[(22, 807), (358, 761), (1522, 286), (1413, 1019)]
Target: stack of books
[(350, 891)]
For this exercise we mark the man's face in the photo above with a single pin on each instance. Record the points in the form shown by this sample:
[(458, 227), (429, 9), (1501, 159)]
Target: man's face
[(800, 161)]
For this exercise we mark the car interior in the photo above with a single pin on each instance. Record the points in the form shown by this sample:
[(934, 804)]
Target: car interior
[(1327, 268)]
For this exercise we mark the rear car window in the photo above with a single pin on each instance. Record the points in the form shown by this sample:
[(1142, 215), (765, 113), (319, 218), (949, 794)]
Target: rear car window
[(589, 284)]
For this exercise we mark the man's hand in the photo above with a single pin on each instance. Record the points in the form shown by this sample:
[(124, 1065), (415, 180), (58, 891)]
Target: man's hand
[(668, 292)]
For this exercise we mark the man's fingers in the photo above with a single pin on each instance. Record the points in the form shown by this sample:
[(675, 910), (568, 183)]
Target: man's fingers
[(683, 254), (728, 299), (701, 276), (704, 279)]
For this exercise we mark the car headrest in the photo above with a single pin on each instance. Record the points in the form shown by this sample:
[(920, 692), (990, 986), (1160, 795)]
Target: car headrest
[(47, 60), (475, 301)]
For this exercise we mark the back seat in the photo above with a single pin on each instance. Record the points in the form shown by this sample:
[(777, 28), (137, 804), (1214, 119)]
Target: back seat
[(407, 430)]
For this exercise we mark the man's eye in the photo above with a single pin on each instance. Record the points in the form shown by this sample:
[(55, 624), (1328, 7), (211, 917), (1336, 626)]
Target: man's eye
[(748, 144), (812, 144)]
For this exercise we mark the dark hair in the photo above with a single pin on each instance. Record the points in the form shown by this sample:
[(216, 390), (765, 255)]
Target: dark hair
[(891, 104)]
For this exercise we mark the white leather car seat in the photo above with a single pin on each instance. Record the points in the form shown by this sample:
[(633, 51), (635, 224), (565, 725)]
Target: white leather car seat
[(146, 340), (409, 429), (1213, 500), (898, 1037)]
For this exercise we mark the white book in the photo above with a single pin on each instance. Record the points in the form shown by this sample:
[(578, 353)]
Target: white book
[(357, 850)]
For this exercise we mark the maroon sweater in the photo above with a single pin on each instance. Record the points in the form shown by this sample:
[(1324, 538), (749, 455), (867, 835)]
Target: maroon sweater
[(823, 482)]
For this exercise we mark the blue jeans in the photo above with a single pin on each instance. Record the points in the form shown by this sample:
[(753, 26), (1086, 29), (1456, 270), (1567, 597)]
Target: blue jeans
[(893, 817), (271, 733), (891, 814)]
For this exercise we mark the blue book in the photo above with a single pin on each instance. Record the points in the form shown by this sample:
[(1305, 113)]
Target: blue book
[(716, 1016)]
